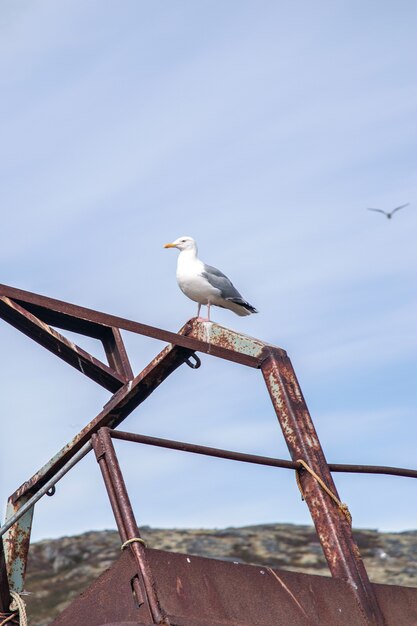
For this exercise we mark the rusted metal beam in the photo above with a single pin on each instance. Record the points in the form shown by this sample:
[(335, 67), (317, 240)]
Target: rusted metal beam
[(16, 544), (268, 461), (115, 411), (333, 529), (92, 323), (125, 519), (63, 320), (116, 353), (59, 345)]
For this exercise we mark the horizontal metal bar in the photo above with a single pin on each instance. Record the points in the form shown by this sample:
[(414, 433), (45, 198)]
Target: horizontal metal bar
[(65, 315), (59, 345), (253, 458), (373, 469), (207, 451), (42, 491)]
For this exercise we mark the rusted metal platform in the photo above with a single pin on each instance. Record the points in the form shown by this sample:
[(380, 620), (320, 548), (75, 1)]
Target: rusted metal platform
[(195, 591), (151, 587)]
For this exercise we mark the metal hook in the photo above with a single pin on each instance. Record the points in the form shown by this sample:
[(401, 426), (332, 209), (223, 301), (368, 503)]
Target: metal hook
[(51, 491), (196, 365)]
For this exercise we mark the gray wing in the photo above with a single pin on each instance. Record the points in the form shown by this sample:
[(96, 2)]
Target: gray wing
[(217, 279), (378, 210), (400, 207)]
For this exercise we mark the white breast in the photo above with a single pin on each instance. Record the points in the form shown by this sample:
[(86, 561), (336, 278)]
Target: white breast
[(190, 279)]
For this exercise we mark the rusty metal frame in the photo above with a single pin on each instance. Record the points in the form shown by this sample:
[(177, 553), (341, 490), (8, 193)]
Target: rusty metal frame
[(35, 315)]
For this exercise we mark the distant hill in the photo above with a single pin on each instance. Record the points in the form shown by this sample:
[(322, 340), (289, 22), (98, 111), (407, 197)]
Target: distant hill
[(60, 569)]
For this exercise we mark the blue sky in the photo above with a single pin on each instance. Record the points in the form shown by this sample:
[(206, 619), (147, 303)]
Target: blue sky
[(263, 130)]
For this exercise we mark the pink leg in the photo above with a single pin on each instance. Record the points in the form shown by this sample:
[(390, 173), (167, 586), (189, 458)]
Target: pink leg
[(200, 319), (203, 319)]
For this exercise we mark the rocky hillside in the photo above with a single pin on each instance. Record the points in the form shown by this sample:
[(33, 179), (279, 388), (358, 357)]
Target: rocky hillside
[(61, 568)]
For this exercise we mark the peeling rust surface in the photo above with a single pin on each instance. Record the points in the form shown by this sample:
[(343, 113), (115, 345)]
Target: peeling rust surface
[(16, 545), (333, 530), (196, 591), (219, 336)]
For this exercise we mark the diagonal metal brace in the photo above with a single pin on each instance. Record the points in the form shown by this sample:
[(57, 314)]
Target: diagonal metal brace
[(115, 411), (59, 345)]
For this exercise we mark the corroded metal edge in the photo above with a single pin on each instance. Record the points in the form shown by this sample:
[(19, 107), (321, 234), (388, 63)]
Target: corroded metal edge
[(198, 591)]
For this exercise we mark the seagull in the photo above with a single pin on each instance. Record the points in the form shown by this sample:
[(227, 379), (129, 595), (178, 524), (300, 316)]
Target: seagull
[(206, 284), (391, 213)]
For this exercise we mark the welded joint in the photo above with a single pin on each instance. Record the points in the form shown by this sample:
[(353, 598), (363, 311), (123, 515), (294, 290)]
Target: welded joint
[(271, 353), (98, 446)]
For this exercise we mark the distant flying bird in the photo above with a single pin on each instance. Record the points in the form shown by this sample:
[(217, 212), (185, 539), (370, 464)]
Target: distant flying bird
[(391, 213), (206, 284)]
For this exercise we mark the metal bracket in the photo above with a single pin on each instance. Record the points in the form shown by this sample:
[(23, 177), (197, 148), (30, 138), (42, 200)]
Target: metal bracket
[(196, 364)]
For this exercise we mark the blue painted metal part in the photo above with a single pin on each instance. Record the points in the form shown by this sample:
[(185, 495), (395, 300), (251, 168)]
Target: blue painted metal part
[(16, 545), (219, 336)]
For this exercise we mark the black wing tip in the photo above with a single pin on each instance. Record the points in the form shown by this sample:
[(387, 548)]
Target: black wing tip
[(243, 304)]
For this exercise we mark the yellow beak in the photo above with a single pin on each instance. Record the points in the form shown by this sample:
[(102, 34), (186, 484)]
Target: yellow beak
[(170, 245)]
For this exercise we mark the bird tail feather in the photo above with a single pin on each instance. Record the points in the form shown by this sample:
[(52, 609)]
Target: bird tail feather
[(241, 302)]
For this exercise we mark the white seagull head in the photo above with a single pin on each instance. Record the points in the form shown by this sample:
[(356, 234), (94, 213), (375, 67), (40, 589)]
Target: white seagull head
[(182, 243)]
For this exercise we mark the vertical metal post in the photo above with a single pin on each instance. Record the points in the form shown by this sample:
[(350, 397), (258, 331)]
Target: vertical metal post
[(125, 519), (16, 544), (115, 350), (333, 529)]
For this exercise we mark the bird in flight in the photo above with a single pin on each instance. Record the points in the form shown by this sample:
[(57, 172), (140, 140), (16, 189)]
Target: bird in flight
[(206, 284), (390, 213)]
